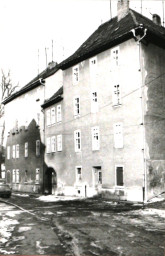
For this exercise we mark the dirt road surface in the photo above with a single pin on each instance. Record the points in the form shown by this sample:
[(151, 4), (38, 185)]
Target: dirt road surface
[(81, 227)]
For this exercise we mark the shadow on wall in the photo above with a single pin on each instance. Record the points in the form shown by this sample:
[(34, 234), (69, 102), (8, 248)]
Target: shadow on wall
[(25, 159)]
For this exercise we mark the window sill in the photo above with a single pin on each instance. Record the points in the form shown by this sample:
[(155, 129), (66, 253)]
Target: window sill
[(119, 187), (116, 105), (76, 116)]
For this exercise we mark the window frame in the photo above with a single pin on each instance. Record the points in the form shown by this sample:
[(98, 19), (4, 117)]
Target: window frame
[(17, 151), (14, 151), (59, 114), (48, 117), (53, 144), (78, 176), (76, 106), (8, 152), (38, 147), (116, 166), (13, 176), (115, 61), (26, 149), (17, 174), (93, 67), (75, 76), (48, 145), (94, 102), (77, 140), (95, 143), (59, 148), (52, 116), (116, 95), (37, 176), (117, 144)]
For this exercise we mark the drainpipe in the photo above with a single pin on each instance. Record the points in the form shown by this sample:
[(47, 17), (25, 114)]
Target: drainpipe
[(43, 133), (142, 109)]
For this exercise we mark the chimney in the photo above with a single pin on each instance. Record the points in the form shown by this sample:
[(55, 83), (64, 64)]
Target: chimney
[(156, 19), (122, 9)]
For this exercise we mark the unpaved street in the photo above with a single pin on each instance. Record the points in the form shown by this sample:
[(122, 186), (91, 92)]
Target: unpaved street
[(81, 227)]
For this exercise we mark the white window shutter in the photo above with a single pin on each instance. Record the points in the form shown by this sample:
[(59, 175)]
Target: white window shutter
[(48, 117), (53, 116), (118, 135)]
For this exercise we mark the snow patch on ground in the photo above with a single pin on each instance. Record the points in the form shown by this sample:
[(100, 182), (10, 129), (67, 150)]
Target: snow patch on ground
[(53, 198), (13, 213), (23, 195), (22, 229), (159, 212)]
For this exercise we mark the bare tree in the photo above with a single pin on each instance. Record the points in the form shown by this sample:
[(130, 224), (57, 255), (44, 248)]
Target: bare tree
[(6, 90)]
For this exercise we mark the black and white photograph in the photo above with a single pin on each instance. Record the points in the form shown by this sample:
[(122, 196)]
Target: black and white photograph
[(82, 127)]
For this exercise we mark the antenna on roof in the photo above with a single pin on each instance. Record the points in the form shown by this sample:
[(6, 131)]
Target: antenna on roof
[(38, 61), (46, 56), (52, 50), (110, 9), (163, 11), (141, 7)]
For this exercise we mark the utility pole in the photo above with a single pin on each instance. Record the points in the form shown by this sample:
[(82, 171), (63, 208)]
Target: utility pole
[(52, 50), (38, 61), (141, 7), (110, 9), (163, 11), (46, 56)]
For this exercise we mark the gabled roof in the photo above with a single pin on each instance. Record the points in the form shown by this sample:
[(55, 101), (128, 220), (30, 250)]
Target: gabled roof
[(53, 99), (112, 33), (38, 80)]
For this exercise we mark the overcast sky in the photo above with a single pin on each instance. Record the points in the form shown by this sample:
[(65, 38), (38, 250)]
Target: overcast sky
[(27, 26)]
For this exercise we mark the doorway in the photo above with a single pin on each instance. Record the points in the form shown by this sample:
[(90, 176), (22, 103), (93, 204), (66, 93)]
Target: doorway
[(50, 181)]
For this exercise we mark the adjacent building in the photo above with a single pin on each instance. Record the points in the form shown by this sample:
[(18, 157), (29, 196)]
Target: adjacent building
[(98, 127)]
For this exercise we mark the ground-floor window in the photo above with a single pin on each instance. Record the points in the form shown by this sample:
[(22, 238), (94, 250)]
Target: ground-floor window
[(119, 175), (97, 175), (14, 176), (26, 174), (37, 176), (17, 176), (78, 173)]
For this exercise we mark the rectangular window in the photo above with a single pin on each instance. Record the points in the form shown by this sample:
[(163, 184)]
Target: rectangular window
[(95, 138), (48, 145), (17, 176), (17, 151), (13, 151), (59, 142), (116, 95), (37, 181), (94, 102), (76, 106), (78, 173), (115, 57), (119, 176), (77, 139), (53, 144), (99, 177), (37, 147), (53, 117), (26, 149), (118, 135), (93, 67), (48, 117), (75, 71), (26, 176), (13, 176), (59, 115), (8, 152)]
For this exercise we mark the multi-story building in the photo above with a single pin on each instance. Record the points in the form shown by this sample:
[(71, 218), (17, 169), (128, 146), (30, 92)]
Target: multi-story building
[(24, 131), (103, 130), (54, 155), (114, 98)]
